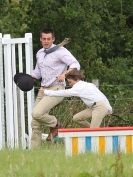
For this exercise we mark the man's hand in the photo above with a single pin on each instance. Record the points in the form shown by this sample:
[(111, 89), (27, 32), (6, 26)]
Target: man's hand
[(41, 92), (61, 77)]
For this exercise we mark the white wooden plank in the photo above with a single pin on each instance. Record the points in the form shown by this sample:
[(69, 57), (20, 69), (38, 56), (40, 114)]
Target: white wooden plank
[(6, 41), (95, 144), (21, 110), (108, 144), (81, 145), (8, 94), (122, 144), (15, 111), (68, 146), (29, 68), (2, 122)]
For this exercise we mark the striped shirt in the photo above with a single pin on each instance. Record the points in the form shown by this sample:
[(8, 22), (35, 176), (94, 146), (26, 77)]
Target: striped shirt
[(50, 66)]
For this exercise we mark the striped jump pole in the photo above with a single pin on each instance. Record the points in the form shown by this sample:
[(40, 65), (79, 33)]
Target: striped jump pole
[(98, 140)]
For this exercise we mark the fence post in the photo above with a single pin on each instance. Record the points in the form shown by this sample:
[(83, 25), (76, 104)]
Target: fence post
[(8, 93), (15, 98), (29, 67), (21, 110), (2, 120), (1, 70)]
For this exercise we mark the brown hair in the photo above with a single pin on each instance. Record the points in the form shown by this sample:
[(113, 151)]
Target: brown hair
[(47, 30), (75, 75)]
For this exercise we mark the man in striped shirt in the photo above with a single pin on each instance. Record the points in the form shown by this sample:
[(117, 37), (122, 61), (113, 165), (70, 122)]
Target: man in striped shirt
[(51, 68)]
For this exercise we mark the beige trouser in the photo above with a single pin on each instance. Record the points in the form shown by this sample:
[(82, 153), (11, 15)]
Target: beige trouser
[(97, 113), (41, 116)]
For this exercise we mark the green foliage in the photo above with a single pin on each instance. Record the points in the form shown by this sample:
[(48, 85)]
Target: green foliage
[(14, 18)]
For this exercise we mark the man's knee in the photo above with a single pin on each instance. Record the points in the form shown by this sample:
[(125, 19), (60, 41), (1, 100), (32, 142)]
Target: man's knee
[(35, 124), (36, 114), (75, 118)]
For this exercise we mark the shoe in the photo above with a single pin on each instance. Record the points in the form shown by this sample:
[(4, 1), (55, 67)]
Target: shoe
[(53, 132)]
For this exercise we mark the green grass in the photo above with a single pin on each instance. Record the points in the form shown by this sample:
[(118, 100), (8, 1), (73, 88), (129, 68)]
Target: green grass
[(50, 161)]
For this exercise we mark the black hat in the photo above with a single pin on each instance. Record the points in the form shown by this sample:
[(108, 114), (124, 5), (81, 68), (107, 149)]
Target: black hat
[(24, 81)]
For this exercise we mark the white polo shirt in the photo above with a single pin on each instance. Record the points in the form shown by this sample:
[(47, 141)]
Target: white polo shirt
[(88, 93)]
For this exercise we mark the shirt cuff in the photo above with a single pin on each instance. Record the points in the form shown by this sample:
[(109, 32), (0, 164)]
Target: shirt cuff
[(46, 92), (35, 75)]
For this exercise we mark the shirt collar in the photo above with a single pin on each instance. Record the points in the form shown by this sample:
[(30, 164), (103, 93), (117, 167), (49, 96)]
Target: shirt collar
[(50, 47)]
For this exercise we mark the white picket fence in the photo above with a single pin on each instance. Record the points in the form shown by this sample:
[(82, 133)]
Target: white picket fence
[(16, 55)]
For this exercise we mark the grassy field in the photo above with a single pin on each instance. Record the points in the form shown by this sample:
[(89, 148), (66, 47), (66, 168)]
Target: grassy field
[(50, 161)]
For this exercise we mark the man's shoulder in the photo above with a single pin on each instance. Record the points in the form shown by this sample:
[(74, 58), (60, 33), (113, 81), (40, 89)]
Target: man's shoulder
[(62, 49), (40, 51)]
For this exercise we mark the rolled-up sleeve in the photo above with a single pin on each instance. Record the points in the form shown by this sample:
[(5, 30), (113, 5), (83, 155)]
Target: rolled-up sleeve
[(36, 72), (67, 58)]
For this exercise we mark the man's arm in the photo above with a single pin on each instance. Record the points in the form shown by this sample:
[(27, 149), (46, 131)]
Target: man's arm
[(62, 76), (67, 58), (36, 72)]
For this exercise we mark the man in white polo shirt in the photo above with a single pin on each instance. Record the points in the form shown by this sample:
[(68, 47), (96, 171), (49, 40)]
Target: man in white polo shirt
[(97, 104)]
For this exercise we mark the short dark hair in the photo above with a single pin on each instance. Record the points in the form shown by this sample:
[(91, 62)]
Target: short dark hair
[(47, 30), (75, 75)]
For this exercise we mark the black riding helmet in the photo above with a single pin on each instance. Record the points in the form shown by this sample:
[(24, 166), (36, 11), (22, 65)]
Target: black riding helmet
[(24, 81)]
